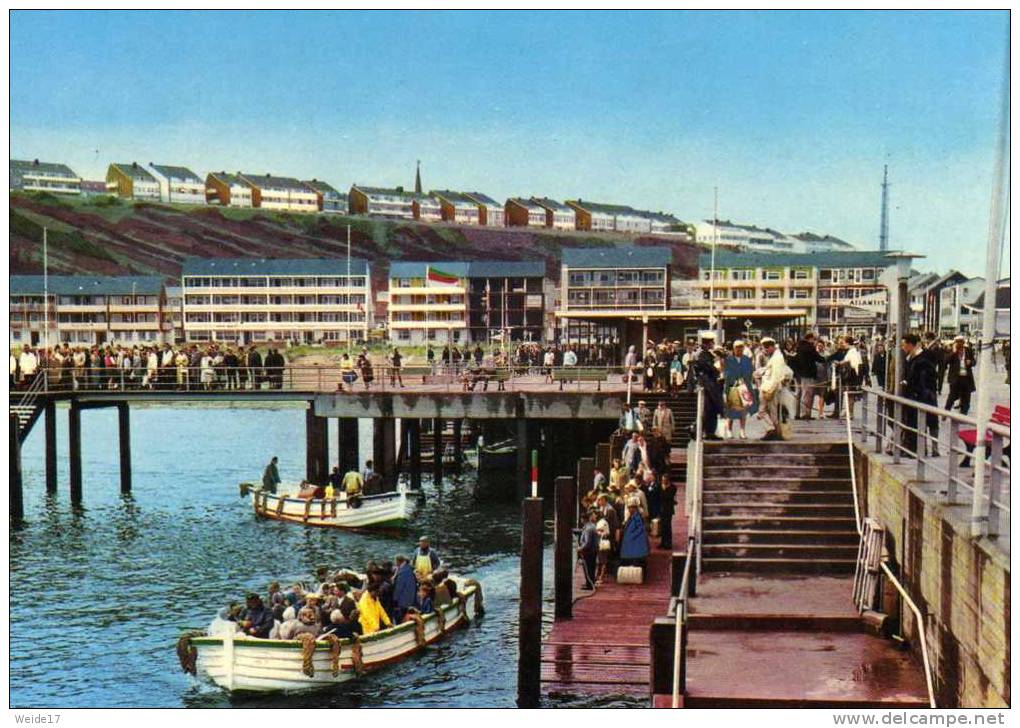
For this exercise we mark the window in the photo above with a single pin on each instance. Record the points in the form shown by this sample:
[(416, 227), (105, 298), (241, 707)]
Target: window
[(868, 274), (800, 293), (404, 335), (771, 275), (801, 274), (741, 275), (773, 293)]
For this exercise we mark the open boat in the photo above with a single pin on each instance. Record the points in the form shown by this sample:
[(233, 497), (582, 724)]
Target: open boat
[(500, 456), (384, 510), (239, 663)]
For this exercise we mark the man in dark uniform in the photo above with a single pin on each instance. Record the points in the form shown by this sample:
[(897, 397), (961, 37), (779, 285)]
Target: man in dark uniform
[(706, 375), (959, 365), (919, 381), (938, 357)]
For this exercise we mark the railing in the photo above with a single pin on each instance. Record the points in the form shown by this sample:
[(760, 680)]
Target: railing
[(26, 402), (904, 428), (858, 523), (330, 378), (680, 614), (695, 469)]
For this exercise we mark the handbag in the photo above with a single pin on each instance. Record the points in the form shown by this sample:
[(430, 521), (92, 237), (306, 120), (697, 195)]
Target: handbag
[(605, 544)]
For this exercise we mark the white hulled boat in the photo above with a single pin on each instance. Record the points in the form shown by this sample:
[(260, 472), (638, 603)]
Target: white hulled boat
[(384, 510)]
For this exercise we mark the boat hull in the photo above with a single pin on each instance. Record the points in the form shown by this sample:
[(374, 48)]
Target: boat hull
[(248, 664), (387, 510)]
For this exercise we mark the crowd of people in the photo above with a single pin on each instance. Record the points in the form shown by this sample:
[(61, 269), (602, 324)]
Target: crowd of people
[(345, 603)]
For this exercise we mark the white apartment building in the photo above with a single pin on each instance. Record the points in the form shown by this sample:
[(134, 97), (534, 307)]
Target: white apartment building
[(178, 184), (397, 203), (426, 209), (87, 310), (457, 207), (281, 193), (954, 315), (173, 313), (748, 237), (132, 181), (425, 311), (36, 176), (524, 213), (557, 215), (255, 300), (227, 190), (490, 212)]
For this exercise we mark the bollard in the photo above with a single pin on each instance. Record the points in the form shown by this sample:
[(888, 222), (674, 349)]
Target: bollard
[(529, 661), (564, 547)]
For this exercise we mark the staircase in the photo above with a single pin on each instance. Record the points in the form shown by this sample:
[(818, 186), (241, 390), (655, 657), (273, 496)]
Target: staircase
[(685, 411), (27, 405), (778, 507)]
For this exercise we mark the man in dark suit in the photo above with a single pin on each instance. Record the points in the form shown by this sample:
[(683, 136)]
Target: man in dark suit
[(254, 363), (919, 381), (705, 374), (960, 372)]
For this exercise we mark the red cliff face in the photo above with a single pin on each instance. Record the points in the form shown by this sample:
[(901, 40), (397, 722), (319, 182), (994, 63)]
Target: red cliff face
[(120, 238)]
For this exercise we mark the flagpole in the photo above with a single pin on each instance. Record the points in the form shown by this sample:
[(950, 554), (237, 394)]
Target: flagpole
[(46, 291), (349, 292)]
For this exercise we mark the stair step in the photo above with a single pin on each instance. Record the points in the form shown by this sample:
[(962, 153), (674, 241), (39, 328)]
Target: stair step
[(767, 522), (796, 551), (827, 497), (777, 458), (753, 484), (763, 536), (779, 509), (784, 471), (713, 447), (750, 564)]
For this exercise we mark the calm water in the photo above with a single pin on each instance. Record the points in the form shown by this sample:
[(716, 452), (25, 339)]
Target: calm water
[(99, 596)]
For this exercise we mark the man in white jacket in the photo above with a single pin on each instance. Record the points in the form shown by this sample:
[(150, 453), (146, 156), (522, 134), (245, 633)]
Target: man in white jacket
[(776, 373)]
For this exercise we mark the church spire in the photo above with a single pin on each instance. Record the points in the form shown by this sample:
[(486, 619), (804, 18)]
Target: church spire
[(417, 178)]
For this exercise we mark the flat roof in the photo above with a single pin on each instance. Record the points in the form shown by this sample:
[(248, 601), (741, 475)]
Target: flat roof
[(86, 285), (633, 256), (829, 259), (272, 267), (469, 269)]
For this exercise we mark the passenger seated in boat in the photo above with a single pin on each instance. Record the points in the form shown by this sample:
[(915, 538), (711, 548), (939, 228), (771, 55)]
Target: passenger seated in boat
[(353, 484), (423, 600), (371, 613), (290, 608), (344, 627), (225, 622), (314, 601), (256, 620), (278, 604), (404, 584), (425, 559), (307, 622), (347, 605), (308, 490)]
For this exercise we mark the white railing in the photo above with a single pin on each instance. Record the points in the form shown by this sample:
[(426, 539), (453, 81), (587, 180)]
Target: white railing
[(858, 523)]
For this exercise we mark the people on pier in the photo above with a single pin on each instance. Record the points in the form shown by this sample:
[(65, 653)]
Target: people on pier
[(588, 548)]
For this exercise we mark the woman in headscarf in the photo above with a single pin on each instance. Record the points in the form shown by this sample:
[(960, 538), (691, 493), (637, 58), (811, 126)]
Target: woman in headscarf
[(851, 371), (634, 542), (741, 397)]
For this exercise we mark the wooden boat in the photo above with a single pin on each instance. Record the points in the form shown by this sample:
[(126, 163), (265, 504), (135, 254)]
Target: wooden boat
[(239, 663), (384, 510), (499, 456)]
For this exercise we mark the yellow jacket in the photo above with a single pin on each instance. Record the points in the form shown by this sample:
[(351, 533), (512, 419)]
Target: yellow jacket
[(371, 614)]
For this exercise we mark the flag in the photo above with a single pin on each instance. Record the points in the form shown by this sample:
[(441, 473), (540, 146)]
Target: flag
[(434, 275)]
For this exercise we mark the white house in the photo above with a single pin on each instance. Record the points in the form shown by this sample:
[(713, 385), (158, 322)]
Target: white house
[(178, 184)]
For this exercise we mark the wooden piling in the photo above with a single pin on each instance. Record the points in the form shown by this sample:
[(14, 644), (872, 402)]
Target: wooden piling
[(524, 446), (74, 450), (437, 450), (414, 449), (316, 447), (457, 438), (347, 435), (529, 665), (50, 424), (388, 465), (661, 639), (602, 459), (564, 546), (17, 502), (124, 427), (585, 479)]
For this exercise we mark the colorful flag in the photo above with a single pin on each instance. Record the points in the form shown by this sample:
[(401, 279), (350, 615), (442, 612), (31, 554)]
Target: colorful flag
[(434, 275)]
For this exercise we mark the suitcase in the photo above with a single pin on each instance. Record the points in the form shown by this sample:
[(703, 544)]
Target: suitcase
[(629, 575), (654, 529)]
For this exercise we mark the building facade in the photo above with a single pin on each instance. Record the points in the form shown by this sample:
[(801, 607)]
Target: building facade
[(457, 208), (519, 212), (269, 192), (956, 307), (382, 202), (557, 215), (227, 190), (822, 243), (87, 310), (747, 237), (132, 182), (490, 212), (328, 199), (178, 184), (173, 313), (256, 300), (36, 176), (426, 209)]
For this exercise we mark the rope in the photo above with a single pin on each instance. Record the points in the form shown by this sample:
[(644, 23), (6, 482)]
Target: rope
[(441, 619), (308, 509), (479, 608), (419, 628), (187, 653), (307, 653), (279, 506), (334, 652), (357, 656), (589, 577)]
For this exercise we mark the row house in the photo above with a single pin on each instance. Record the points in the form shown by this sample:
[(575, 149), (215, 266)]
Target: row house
[(257, 300), (87, 310), (381, 201), (227, 190), (457, 208), (132, 181), (524, 213), (557, 215), (813, 243), (426, 208), (490, 212), (600, 217), (269, 192), (328, 199), (36, 176), (747, 237), (457, 302), (178, 184)]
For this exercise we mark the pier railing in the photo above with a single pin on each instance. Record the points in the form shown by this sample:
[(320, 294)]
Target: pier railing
[(695, 471), (331, 378), (941, 444)]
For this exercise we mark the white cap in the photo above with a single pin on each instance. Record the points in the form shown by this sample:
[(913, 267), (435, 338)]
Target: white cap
[(959, 338), (738, 342), (706, 335), (768, 340)]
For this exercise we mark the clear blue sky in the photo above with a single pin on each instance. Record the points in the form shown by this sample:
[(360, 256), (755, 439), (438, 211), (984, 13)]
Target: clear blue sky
[(791, 114)]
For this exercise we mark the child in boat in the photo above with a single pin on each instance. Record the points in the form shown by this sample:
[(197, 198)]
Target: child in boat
[(307, 622)]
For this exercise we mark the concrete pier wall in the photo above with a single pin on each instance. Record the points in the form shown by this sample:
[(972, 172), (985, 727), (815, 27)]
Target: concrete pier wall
[(959, 583)]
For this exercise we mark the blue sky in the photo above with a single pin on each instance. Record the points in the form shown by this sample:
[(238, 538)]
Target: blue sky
[(791, 114)]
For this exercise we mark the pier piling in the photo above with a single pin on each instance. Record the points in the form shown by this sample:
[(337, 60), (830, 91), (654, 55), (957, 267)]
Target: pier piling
[(74, 452), (523, 459), (585, 480), (414, 448), (602, 458), (437, 450), (347, 434), (17, 503), (124, 426), (457, 446), (384, 447), (529, 665), (50, 427), (563, 549), (317, 447)]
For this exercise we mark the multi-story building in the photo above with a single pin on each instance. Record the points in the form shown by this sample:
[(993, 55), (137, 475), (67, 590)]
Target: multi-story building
[(524, 213), (173, 314), (462, 302), (228, 190), (281, 193), (930, 302), (457, 207), (381, 201), (328, 199), (178, 184), (598, 216), (594, 216), (748, 237), (132, 182), (956, 307), (249, 300), (557, 215), (94, 188), (822, 243), (36, 176), (974, 312), (490, 212), (917, 286), (426, 209), (87, 310)]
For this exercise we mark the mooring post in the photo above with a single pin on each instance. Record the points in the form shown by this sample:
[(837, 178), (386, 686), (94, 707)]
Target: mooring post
[(457, 444), (124, 426), (586, 479), (74, 440), (661, 639), (316, 447), (529, 661), (437, 450), (17, 503), (523, 459), (414, 448), (51, 446), (347, 434), (563, 549)]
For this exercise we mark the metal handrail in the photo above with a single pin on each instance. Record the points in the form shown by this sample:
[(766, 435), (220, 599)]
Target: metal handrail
[(885, 567), (30, 395), (699, 452), (681, 619)]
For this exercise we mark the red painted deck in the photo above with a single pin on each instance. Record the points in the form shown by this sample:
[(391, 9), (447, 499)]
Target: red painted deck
[(603, 650)]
